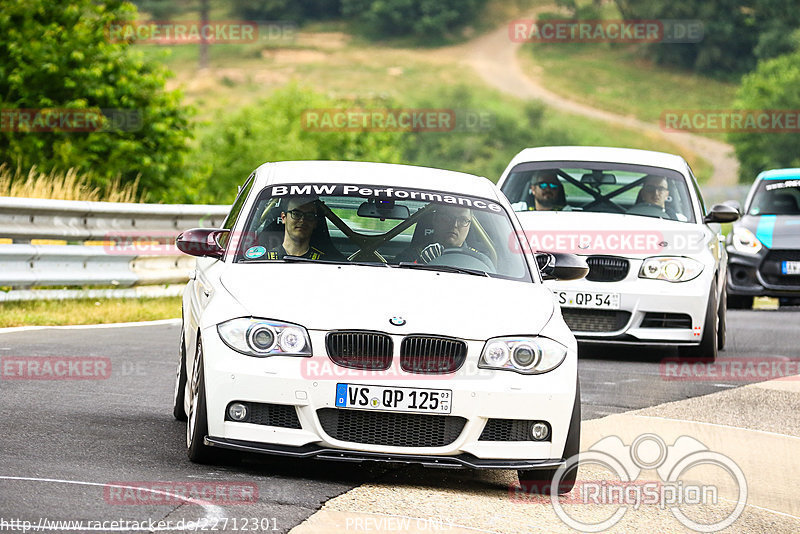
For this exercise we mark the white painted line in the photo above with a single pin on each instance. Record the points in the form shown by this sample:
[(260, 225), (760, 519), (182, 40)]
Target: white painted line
[(213, 512), (714, 424), (80, 326)]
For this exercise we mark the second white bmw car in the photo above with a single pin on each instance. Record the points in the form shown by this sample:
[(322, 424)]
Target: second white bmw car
[(656, 265)]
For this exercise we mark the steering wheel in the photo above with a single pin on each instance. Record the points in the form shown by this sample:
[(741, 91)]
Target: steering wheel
[(465, 258)]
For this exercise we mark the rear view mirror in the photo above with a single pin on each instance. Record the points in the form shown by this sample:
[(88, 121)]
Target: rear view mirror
[(561, 266), (599, 178), (383, 209)]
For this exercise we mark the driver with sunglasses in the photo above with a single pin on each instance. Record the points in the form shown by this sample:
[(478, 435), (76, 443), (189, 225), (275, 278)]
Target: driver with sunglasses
[(546, 192), (299, 221)]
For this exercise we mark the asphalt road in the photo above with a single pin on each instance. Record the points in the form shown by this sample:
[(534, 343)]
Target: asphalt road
[(69, 445)]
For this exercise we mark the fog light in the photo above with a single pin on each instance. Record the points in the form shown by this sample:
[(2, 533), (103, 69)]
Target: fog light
[(540, 431), (237, 411)]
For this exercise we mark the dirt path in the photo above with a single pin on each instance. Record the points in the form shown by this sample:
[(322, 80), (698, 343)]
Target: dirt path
[(494, 57)]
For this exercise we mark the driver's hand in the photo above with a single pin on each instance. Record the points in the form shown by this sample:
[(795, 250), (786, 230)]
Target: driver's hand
[(431, 252)]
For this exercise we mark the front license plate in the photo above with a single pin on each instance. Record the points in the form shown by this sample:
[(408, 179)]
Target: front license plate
[(587, 299), (370, 397), (790, 267)]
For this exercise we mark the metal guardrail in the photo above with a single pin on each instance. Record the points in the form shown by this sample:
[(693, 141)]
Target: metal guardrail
[(131, 245), (23, 219)]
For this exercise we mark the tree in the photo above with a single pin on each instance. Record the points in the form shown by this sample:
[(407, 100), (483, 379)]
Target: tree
[(60, 56), (774, 85)]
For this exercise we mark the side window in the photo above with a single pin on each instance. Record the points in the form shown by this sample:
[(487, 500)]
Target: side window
[(236, 208)]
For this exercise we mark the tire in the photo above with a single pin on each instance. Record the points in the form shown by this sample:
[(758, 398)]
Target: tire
[(179, 396), (708, 347), (197, 423), (740, 302), (539, 480), (722, 318)]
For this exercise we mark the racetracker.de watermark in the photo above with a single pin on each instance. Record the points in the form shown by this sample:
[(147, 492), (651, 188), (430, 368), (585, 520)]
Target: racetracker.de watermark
[(731, 120), (605, 31), (610, 241), (151, 493), (55, 368), (323, 368), (396, 120), (733, 369), (170, 32), (70, 120)]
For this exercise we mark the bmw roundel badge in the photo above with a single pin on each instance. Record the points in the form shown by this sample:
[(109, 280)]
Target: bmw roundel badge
[(397, 321)]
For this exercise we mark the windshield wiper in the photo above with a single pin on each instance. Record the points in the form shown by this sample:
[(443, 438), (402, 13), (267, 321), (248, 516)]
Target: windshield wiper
[(301, 259), (443, 268)]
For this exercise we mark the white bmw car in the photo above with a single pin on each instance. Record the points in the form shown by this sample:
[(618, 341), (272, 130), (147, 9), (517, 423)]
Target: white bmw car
[(365, 311), (656, 265)]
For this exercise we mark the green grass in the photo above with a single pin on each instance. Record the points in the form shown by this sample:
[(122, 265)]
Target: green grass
[(88, 311), (617, 79)]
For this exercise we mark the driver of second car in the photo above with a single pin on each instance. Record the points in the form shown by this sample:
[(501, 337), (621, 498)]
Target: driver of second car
[(451, 226), (299, 220)]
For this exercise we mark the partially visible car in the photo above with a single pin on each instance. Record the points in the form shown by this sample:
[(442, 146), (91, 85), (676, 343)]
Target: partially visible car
[(764, 245), (353, 353), (656, 267)]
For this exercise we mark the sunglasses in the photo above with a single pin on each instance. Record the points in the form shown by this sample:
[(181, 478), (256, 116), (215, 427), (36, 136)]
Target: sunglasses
[(545, 185), (300, 214)]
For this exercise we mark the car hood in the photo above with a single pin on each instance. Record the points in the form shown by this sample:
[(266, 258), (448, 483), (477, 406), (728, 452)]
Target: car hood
[(330, 297), (774, 231), (612, 234)]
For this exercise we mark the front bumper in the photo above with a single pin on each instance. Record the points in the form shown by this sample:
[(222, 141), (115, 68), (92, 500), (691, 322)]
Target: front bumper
[(321, 453), (309, 384), (753, 275), (653, 312)]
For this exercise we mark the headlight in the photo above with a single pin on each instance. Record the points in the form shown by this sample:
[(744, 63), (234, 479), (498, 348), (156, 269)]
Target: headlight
[(527, 355), (671, 269), (264, 337), (744, 241)]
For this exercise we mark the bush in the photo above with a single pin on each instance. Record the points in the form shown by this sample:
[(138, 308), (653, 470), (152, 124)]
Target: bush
[(291, 10), (487, 135), (432, 19), (273, 130), (772, 86), (58, 56), (489, 132)]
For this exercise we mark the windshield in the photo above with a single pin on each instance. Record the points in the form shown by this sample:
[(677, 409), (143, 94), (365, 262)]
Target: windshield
[(599, 187), (380, 226), (776, 197)]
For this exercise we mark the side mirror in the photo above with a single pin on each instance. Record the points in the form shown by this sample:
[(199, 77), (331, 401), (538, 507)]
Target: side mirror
[(721, 213), (735, 205), (201, 242), (561, 266)]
